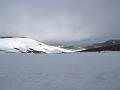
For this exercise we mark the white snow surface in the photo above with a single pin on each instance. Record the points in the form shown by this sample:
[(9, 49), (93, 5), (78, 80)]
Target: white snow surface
[(25, 44)]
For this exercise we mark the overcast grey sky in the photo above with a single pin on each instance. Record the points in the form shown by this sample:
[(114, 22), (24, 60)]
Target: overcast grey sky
[(60, 19)]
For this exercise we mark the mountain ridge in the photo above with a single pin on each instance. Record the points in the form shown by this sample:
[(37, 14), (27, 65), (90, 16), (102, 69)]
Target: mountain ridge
[(27, 45)]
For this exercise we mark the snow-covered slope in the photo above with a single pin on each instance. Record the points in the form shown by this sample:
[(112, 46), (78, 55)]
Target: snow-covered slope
[(26, 45)]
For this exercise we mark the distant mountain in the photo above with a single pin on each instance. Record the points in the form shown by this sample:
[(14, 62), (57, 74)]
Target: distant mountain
[(109, 42), (110, 45), (26, 45), (93, 45)]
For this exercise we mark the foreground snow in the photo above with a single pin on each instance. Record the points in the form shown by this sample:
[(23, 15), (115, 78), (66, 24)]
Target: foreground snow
[(84, 71), (26, 45)]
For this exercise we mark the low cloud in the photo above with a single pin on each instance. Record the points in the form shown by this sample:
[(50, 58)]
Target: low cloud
[(60, 19)]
